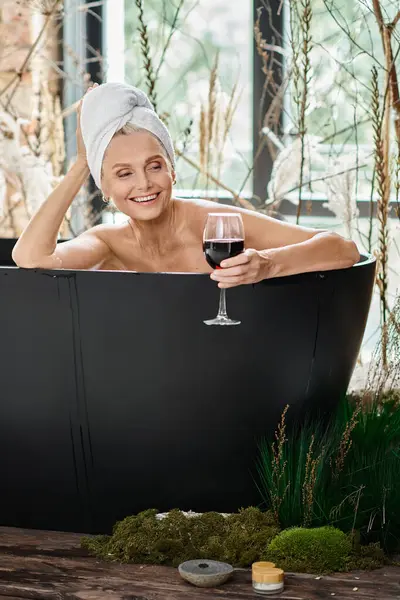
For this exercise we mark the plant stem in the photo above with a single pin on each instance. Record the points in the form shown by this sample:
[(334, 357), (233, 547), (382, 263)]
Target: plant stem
[(148, 64), (18, 75), (306, 48), (238, 199)]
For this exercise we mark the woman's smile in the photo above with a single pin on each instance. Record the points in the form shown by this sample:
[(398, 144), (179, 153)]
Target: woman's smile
[(146, 200)]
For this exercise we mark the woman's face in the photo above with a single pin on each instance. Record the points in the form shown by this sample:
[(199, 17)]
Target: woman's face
[(137, 176)]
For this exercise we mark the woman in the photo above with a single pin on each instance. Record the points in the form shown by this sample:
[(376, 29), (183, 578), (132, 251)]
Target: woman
[(130, 155)]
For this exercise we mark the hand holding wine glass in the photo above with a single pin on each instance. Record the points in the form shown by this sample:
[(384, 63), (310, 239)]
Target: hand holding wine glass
[(223, 238)]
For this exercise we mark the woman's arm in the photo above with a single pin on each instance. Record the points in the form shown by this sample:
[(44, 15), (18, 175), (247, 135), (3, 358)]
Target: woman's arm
[(323, 252), (37, 247), (277, 249)]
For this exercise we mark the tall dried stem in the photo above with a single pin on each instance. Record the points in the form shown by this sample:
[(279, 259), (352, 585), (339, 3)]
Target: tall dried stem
[(146, 55), (278, 465), (305, 28), (227, 119), (380, 123), (211, 113), (397, 179), (384, 372), (260, 43), (310, 478), (202, 138), (345, 443), (386, 30)]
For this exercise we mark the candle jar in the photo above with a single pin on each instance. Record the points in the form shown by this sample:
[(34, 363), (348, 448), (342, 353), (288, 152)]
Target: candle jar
[(266, 578)]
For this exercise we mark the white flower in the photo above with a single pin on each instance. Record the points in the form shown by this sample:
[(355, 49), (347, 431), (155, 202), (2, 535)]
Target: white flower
[(37, 180), (19, 166), (285, 176), (340, 186)]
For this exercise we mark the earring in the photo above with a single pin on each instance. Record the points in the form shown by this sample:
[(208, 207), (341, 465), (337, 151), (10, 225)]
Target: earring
[(106, 200)]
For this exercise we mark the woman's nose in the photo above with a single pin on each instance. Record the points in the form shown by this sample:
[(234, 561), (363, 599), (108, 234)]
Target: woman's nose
[(142, 182)]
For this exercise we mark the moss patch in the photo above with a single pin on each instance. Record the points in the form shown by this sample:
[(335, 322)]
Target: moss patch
[(366, 558), (320, 550), (238, 539)]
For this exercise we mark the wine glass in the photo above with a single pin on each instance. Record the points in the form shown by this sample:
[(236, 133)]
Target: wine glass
[(223, 238)]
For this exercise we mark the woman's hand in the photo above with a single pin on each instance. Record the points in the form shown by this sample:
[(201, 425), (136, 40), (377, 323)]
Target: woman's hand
[(250, 266), (80, 146)]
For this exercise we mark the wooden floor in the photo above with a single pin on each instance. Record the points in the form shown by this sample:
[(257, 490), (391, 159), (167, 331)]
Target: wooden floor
[(51, 566)]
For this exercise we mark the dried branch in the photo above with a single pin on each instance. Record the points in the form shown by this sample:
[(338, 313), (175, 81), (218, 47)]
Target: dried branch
[(261, 43), (170, 35), (238, 199), (211, 113), (18, 76), (381, 169), (395, 21), (386, 31), (146, 55), (305, 24)]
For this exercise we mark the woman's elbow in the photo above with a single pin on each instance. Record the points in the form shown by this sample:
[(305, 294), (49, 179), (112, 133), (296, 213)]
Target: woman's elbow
[(354, 252), (23, 263), (22, 259), (347, 251)]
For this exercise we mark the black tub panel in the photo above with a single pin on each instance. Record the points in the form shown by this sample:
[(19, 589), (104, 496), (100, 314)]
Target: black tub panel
[(42, 479), (179, 405)]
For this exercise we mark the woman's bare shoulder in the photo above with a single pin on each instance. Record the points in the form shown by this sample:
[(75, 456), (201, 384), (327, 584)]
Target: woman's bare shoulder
[(200, 204), (108, 232), (197, 207), (203, 207)]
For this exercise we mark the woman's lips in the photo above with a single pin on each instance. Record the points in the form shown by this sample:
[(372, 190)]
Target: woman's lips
[(152, 199)]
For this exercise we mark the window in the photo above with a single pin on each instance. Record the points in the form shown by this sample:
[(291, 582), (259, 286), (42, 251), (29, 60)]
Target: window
[(201, 31), (345, 45)]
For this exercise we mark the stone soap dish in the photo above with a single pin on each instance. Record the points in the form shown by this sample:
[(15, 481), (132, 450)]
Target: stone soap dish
[(205, 573)]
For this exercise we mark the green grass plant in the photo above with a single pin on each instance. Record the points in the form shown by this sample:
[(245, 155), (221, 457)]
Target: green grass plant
[(345, 473)]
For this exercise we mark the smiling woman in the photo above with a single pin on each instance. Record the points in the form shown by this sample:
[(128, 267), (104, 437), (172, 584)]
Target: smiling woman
[(129, 152)]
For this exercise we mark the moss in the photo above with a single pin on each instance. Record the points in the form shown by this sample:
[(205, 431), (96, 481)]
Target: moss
[(250, 531), (366, 558), (238, 539), (95, 545), (321, 550)]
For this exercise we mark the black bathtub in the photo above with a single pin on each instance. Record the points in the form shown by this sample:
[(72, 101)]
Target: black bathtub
[(115, 397)]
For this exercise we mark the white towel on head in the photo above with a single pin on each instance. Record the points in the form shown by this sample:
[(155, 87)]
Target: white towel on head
[(106, 109)]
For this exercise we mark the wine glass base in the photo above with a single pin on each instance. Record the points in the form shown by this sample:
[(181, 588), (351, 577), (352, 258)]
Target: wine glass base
[(222, 321)]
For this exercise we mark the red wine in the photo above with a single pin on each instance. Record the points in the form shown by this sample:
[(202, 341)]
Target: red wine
[(218, 250)]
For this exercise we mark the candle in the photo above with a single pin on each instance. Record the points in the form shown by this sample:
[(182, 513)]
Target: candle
[(267, 579)]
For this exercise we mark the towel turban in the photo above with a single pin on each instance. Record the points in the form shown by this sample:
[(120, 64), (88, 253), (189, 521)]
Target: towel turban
[(106, 109)]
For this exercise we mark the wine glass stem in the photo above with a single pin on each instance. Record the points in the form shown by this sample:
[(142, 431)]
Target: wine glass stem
[(222, 303)]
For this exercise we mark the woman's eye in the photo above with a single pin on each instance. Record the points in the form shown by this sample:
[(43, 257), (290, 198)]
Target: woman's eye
[(155, 167), (123, 174)]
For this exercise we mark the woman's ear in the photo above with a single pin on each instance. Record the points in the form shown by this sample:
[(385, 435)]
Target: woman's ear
[(173, 175)]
